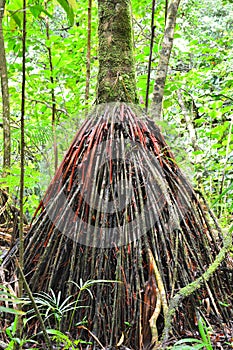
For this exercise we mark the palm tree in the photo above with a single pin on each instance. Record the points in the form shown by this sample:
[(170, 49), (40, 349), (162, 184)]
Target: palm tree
[(119, 209)]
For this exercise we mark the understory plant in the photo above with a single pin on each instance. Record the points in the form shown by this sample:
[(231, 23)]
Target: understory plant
[(9, 304), (193, 343), (53, 309)]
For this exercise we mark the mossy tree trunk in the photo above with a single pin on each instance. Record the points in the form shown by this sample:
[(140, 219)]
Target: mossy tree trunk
[(116, 78)]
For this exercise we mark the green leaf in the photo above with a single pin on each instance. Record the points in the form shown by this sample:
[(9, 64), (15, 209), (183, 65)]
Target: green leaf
[(11, 311), (216, 145), (36, 10), (188, 340), (167, 103), (223, 304), (217, 104), (199, 121), (56, 332), (197, 152), (204, 333), (215, 114), (10, 300), (68, 9), (15, 17), (188, 347), (223, 193), (231, 228)]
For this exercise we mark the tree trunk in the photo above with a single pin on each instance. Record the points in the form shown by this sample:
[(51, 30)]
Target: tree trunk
[(120, 218), (188, 120), (5, 97), (116, 78), (156, 105)]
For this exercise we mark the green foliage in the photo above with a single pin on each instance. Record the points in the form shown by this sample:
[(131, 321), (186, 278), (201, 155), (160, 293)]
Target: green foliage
[(14, 340), (67, 343), (9, 305), (200, 67), (67, 24), (68, 9), (10, 299), (85, 287), (204, 343), (53, 308)]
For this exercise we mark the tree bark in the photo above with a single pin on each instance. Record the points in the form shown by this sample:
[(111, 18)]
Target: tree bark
[(5, 96), (156, 105), (53, 96), (116, 78), (88, 57), (188, 121)]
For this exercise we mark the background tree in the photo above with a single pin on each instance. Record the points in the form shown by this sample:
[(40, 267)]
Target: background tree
[(5, 97), (162, 69)]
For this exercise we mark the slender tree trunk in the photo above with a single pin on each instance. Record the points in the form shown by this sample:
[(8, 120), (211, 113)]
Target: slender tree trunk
[(53, 97), (156, 105), (22, 148), (151, 53), (116, 79), (5, 96), (88, 57), (188, 121), (19, 331)]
